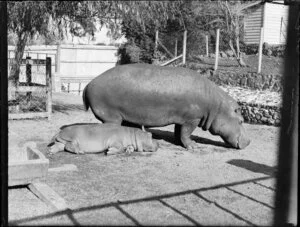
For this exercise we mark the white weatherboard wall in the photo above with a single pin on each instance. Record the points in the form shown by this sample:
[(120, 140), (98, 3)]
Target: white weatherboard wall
[(275, 23), (73, 65), (273, 17), (86, 61), (252, 25)]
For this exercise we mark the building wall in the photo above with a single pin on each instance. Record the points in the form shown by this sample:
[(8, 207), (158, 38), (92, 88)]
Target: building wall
[(72, 65), (273, 17), (252, 25), (275, 23)]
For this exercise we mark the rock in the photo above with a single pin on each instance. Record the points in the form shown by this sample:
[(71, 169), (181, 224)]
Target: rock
[(266, 46), (269, 53), (223, 54), (229, 53)]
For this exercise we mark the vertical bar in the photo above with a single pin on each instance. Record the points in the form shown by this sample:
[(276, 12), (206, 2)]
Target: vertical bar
[(68, 87), (217, 49), (156, 44), (184, 47), (176, 44), (28, 71), (206, 41), (79, 88), (58, 52), (3, 113), (286, 199), (280, 32), (49, 87), (260, 49)]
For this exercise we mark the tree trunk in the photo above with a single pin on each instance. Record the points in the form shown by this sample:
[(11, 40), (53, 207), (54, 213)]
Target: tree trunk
[(19, 51), (237, 40), (13, 79), (239, 56)]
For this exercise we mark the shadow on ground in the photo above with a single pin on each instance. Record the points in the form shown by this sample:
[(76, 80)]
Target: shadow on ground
[(117, 205), (253, 166), (169, 137)]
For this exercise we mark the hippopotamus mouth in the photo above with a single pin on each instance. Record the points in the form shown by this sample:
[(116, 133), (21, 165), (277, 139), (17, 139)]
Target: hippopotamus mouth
[(239, 143)]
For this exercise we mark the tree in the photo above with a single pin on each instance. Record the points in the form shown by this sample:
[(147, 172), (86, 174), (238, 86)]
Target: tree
[(233, 14), (51, 19), (140, 20)]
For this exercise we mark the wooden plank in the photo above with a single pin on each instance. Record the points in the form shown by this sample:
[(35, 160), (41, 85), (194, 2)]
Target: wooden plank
[(48, 195), (170, 61), (28, 88), (165, 48), (49, 87), (17, 116), (75, 79), (83, 62), (65, 167)]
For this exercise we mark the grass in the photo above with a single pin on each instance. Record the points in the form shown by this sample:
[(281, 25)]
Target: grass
[(270, 65)]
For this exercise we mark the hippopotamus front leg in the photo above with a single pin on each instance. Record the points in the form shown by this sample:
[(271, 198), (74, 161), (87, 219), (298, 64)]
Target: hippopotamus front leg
[(183, 133), (129, 149), (73, 147), (114, 148)]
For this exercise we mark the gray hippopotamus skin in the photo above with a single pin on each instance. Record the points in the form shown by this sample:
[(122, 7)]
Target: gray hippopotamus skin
[(155, 96), (108, 138)]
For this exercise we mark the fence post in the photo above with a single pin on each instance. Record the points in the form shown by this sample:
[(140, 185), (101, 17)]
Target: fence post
[(184, 47), (56, 76), (156, 43), (217, 49), (79, 88), (28, 79), (206, 41), (176, 43), (28, 71), (57, 67), (260, 49), (48, 87)]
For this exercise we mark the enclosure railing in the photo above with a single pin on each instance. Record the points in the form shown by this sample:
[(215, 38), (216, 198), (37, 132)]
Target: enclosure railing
[(31, 97)]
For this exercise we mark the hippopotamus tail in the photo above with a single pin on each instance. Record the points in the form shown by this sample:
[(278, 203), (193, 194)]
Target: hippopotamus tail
[(85, 101)]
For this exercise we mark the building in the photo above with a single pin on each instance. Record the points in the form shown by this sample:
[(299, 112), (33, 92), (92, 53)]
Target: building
[(273, 17)]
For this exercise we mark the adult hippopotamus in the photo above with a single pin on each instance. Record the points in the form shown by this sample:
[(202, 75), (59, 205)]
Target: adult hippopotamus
[(156, 96), (108, 138)]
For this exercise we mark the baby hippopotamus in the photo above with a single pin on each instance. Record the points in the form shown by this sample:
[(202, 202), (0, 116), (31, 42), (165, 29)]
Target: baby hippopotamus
[(107, 138)]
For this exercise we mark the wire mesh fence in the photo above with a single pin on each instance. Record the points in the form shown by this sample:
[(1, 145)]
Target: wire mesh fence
[(30, 96)]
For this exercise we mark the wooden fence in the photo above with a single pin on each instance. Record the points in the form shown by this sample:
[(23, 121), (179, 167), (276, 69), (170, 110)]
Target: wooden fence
[(33, 98), (73, 66)]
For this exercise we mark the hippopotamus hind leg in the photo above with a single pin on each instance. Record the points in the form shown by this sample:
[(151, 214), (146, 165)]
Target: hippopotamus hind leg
[(73, 147), (56, 147), (184, 132)]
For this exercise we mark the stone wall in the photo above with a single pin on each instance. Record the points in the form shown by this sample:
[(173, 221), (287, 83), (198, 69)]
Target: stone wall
[(261, 114), (253, 113), (253, 81)]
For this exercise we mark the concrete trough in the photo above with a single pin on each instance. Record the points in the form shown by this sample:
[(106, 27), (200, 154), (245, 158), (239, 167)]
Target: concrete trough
[(26, 165)]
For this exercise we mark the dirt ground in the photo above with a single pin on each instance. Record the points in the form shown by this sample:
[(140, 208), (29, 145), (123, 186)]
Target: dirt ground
[(212, 185)]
